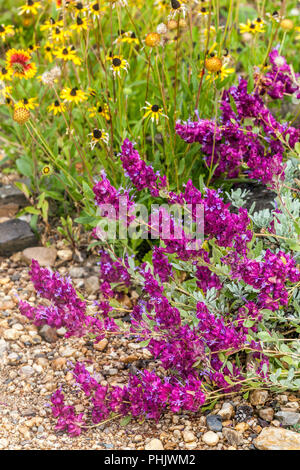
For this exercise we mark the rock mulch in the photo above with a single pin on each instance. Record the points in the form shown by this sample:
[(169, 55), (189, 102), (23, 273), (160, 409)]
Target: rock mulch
[(34, 363)]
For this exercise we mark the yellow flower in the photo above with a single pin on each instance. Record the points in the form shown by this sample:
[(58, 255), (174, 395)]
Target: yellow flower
[(117, 64), (18, 63), (60, 35), (6, 30), (56, 108), (128, 37), (80, 25), (51, 24), (297, 29), (6, 91), (222, 74), (73, 95), (30, 7), (162, 5), (67, 53), (95, 10), (100, 110), (32, 48), (27, 103), (153, 111), (252, 27), (5, 74), (203, 11), (48, 50), (78, 8), (98, 135), (47, 170)]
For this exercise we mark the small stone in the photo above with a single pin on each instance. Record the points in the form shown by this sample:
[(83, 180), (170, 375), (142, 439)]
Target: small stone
[(59, 363), (76, 272), (67, 352), (266, 414), (154, 444), (258, 397), (92, 284), (45, 256), (3, 346), (61, 331), (242, 427), (11, 334), (188, 436), (234, 438), (277, 439), (15, 235), (4, 443), (48, 334), (65, 255), (26, 370), (214, 422), (210, 438), (227, 411), (288, 418), (101, 345)]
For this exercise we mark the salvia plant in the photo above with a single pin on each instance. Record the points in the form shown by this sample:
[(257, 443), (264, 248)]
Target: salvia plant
[(136, 119)]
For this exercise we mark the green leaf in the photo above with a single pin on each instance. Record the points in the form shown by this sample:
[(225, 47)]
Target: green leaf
[(126, 420)]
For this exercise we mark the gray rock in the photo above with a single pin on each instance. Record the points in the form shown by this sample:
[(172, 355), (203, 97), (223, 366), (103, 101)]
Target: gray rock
[(214, 423), (76, 272), (266, 414), (234, 438), (15, 235), (259, 194), (48, 334), (288, 418), (227, 411), (26, 370), (3, 346), (44, 255), (92, 284), (11, 194)]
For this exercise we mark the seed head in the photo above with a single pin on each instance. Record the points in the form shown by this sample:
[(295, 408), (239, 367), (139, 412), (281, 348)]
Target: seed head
[(152, 39), (21, 115), (213, 64)]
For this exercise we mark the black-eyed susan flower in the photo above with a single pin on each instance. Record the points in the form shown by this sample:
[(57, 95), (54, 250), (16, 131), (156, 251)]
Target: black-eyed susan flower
[(78, 8), (177, 7), (100, 110), (60, 35), (154, 111), (52, 24), (251, 27), (81, 24), (92, 92), (67, 53), (98, 135), (95, 10), (5, 74), (162, 5), (6, 30), (118, 64), (21, 115), (47, 170), (203, 11), (32, 48), (56, 107), (27, 103), (6, 91), (48, 51), (128, 37), (30, 7), (18, 62), (73, 95)]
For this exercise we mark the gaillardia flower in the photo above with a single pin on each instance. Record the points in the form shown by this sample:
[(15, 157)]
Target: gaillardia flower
[(18, 62)]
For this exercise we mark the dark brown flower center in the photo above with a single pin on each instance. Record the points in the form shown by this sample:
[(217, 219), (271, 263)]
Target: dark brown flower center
[(175, 4), (79, 6), (2, 29), (79, 21), (116, 62), (73, 92), (25, 101), (97, 134), (4, 71), (30, 3), (95, 7), (56, 103), (155, 108), (65, 51), (252, 26), (100, 109)]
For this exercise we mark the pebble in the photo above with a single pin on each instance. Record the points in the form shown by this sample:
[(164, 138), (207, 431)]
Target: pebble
[(28, 371), (11, 334), (48, 334), (233, 437), (266, 413), (67, 351), (4, 443), (92, 284), (154, 444), (214, 422), (101, 345), (210, 438), (277, 439), (258, 397), (188, 436), (45, 256), (76, 272), (65, 255), (227, 411)]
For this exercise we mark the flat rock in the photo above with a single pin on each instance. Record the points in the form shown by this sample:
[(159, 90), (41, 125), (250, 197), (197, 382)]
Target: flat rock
[(15, 235), (92, 284), (48, 334), (214, 422), (44, 255), (233, 437), (277, 439), (227, 411), (288, 418), (258, 397), (8, 210), (9, 193)]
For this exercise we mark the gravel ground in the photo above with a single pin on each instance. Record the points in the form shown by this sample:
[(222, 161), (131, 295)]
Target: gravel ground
[(31, 368)]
